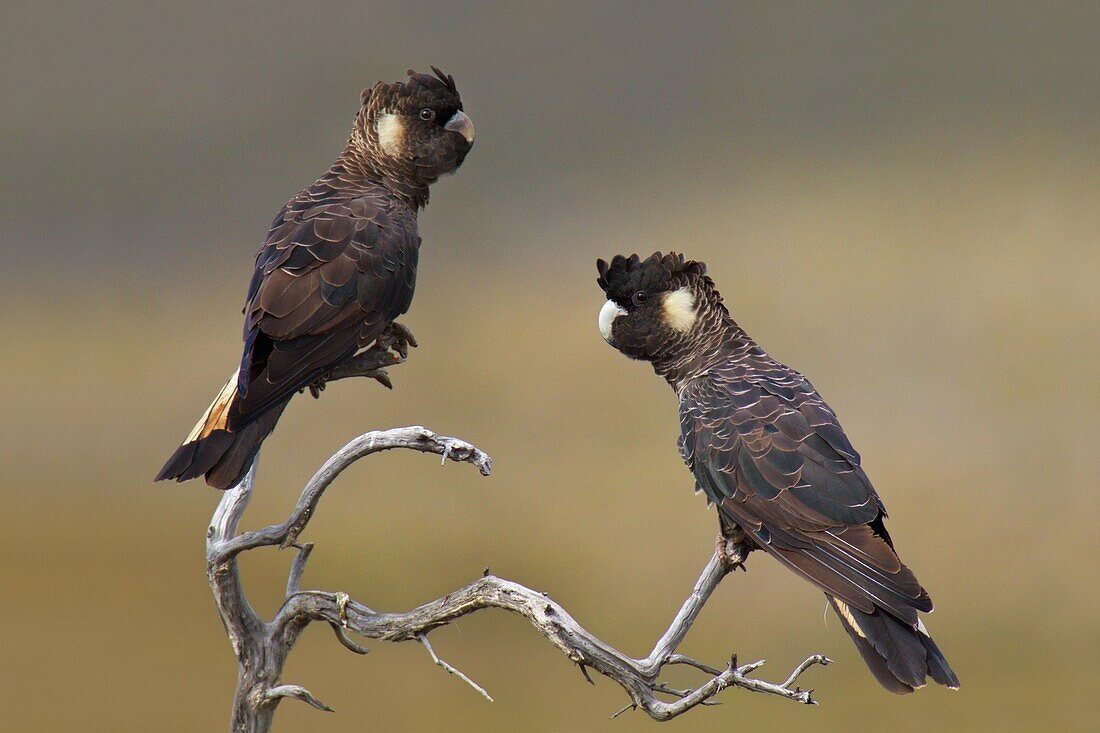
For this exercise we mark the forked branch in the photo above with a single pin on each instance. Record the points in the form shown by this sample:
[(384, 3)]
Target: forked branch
[(262, 646)]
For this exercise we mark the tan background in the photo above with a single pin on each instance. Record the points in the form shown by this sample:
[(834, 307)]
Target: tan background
[(903, 202)]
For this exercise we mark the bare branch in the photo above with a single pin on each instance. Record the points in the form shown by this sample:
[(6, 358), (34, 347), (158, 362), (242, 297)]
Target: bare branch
[(223, 525), (241, 622), (712, 575), (262, 647), (554, 623), (343, 638), (811, 661), (623, 709), (451, 670), (295, 692), (681, 659), (587, 678), (294, 581), (413, 438)]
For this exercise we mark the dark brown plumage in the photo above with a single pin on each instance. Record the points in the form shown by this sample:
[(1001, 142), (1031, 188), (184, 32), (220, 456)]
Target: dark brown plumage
[(770, 453), (337, 267)]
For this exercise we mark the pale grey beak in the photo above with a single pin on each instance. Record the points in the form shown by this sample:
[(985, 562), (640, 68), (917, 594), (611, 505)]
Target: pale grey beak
[(461, 124), (608, 314)]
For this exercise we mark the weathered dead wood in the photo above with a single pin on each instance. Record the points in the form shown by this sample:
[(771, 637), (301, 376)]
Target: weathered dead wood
[(262, 646)]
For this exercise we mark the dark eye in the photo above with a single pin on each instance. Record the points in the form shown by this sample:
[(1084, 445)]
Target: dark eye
[(427, 114), (639, 297)]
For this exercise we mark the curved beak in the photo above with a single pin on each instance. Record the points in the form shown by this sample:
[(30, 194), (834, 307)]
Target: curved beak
[(608, 314), (461, 124)]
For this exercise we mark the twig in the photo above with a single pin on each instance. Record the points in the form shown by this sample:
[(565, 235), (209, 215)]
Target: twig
[(452, 670), (811, 661), (623, 709), (343, 638), (294, 580), (296, 692), (587, 678), (681, 659)]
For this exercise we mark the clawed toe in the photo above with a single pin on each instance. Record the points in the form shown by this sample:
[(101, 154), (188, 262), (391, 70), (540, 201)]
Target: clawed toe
[(399, 338)]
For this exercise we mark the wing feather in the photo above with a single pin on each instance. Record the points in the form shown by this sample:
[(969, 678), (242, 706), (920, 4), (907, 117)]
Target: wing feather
[(774, 458), (334, 271)]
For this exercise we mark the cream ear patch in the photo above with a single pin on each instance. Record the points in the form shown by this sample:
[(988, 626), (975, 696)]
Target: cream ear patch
[(679, 308), (391, 131)]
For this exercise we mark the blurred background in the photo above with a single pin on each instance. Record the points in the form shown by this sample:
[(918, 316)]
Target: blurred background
[(900, 200)]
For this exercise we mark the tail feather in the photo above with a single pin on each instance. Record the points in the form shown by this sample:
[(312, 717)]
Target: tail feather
[(212, 450), (196, 457), (937, 664), (899, 656)]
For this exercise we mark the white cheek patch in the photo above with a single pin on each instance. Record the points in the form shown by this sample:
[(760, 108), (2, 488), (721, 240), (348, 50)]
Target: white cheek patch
[(391, 131), (608, 314), (679, 308)]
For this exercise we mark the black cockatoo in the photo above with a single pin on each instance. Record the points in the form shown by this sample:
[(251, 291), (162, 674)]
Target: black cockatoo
[(771, 455), (336, 268)]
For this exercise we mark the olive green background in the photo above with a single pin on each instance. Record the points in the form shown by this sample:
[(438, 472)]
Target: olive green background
[(900, 200)]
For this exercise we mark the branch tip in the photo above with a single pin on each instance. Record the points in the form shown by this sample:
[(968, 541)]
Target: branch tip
[(297, 568), (809, 662), (347, 641), (452, 670), (584, 671), (623, 709), (273, 695), (750, 667)]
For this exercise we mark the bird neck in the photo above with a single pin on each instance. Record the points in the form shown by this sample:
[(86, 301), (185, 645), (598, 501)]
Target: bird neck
[(714, 340), (363, 158)]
